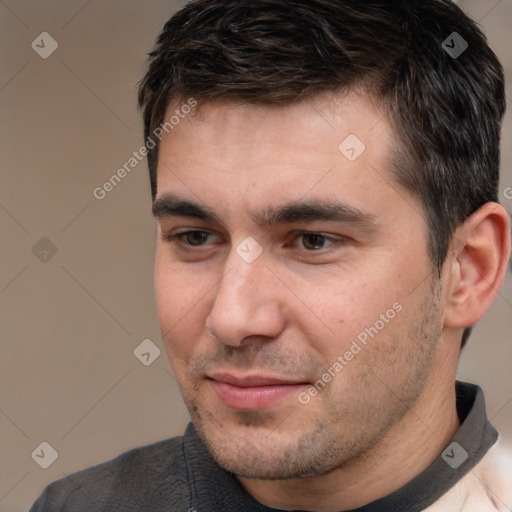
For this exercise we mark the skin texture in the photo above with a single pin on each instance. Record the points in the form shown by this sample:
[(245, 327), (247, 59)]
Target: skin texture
[(302, 302)]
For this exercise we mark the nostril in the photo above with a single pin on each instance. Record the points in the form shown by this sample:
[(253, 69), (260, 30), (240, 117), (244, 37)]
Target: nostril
[(215, 338)]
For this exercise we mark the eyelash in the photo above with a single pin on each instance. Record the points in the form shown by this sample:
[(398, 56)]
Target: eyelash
[(177, 238)]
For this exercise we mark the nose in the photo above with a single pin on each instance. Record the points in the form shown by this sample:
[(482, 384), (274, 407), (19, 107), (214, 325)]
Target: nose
[(247, 303)]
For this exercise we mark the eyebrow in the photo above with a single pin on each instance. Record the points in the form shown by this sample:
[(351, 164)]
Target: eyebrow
[(171, 205)]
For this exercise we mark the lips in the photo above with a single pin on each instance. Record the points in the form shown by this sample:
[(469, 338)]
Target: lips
[(253, 392)]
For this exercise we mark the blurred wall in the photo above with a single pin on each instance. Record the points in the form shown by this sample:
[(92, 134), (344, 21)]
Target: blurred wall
[(76, 290)]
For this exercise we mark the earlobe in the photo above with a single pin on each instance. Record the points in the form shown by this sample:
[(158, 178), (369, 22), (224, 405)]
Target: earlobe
[(478, 263)]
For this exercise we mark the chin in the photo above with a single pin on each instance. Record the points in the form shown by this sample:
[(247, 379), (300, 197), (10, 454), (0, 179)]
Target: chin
[(255, 445)]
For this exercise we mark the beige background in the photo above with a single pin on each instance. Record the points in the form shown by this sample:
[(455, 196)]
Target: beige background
[(69, 326)]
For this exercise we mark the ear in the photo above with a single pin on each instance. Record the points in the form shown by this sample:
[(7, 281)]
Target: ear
[(477, 264)]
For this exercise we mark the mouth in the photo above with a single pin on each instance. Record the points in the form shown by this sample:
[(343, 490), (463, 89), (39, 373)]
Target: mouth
[(253, 392)]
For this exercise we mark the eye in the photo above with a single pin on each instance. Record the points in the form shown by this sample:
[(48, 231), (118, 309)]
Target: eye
[(188, 238), (314, 241), (311, 241)]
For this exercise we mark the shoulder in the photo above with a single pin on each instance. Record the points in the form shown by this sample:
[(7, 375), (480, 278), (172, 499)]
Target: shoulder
[(487, 488), (134, 477), (495, 471)]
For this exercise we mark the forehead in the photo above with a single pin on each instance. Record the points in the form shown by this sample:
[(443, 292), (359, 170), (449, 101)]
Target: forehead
[(328, 114), (239, 157)]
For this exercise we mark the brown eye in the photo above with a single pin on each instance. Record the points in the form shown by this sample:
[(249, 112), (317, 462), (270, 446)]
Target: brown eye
[(189, 238), (313, 241), (196, 238)]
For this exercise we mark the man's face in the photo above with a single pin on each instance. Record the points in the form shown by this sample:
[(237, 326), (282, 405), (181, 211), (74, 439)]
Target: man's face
[(251, 324)]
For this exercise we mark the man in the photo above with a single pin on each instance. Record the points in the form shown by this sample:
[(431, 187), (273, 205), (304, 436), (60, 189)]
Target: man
[(324, 177)]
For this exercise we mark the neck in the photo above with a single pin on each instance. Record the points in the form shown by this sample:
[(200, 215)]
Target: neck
[(405, 451)]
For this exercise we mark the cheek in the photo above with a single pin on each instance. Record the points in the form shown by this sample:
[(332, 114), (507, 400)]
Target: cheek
[(179, 301), (176, 289), (342, 300), (184, 300), (359, 308)]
